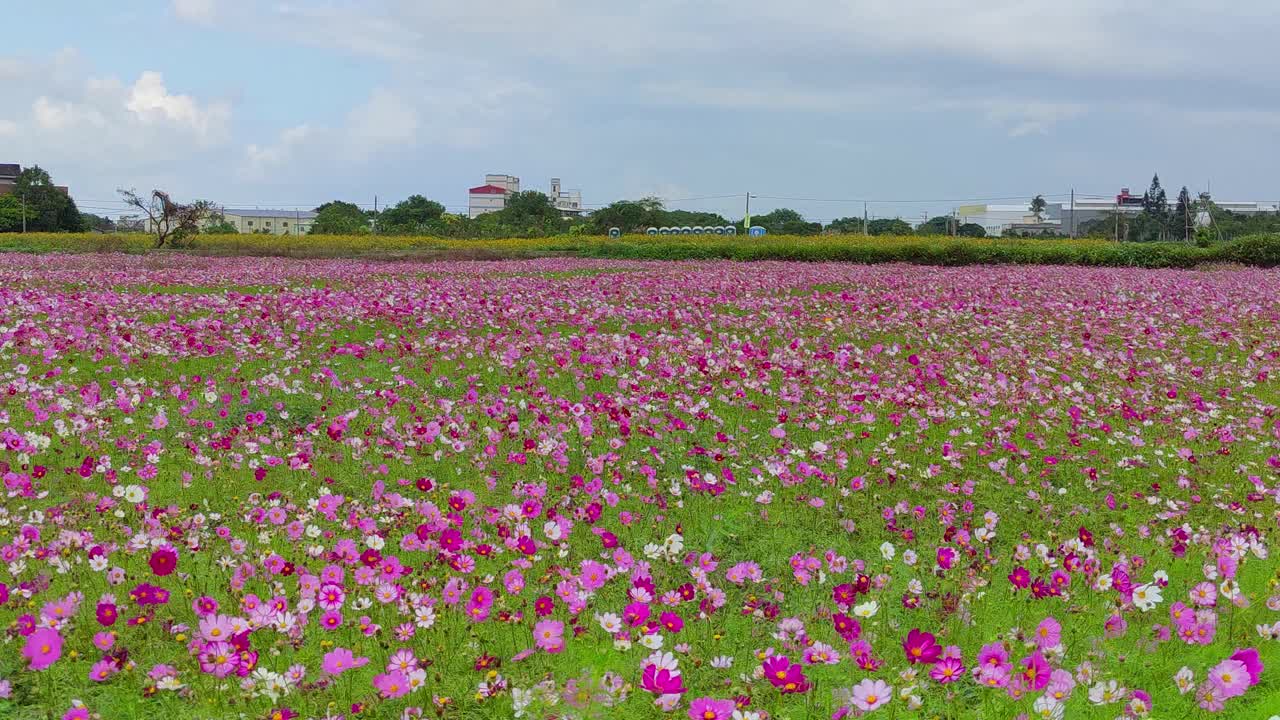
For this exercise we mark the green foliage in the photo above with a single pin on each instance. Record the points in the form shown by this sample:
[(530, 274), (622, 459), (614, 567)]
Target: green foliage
[(47, 208), (785, 221), (414, 215), (1257, 250), (96, 223), (340, 218), (1037, 207), (971, 230), (889, 226), (218, 225), (940, 225), (637, 216), (10, 214), (846, 225)]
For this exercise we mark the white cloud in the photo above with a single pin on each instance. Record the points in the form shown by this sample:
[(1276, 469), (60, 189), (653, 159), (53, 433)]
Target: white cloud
[(152, 103), (197, 11), (384, 120)]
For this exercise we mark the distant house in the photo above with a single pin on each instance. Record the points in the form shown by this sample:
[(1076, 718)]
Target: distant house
[(492, 195), (9, 173), (8, 176)]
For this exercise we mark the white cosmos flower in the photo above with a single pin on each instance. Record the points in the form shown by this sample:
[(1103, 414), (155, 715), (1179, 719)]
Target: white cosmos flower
[(887, 550), (867, 609)]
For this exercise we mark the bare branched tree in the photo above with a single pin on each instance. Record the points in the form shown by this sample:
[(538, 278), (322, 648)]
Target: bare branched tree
[(170, 221)]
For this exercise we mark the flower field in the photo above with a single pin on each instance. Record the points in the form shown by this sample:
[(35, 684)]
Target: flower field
[(571, 488)]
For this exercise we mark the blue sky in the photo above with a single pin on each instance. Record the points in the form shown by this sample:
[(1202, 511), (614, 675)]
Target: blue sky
[(284, 104)]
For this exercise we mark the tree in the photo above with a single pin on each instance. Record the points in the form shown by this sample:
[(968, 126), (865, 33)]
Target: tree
[(47, 208), (10, 214), (1155, 213), (1038, 206), (170, 221), (1182, 221), (340, 218), (940, 225), (889, 226), (973, 230), (846, 226), (529, 208), (785, 221), (414, 215), (97, 223), (217, 224), (629, 216)]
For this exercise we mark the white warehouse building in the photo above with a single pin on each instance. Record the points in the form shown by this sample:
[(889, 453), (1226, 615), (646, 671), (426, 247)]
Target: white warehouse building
[(270, 222)]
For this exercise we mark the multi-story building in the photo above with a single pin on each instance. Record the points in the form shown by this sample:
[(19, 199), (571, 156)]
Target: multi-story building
[(492, 195), (568, 202)]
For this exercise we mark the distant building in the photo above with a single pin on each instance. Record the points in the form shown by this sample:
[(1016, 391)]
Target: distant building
[(8, 176), (1128, 204), (995, 219), (568, 202), (9, 173), (270, 222), (274, 222), (492, 195), (1063, 217)]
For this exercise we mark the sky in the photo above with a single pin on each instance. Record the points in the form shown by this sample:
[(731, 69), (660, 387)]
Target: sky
[(915, 106)]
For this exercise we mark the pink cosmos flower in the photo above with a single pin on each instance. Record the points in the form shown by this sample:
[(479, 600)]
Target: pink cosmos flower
[(871, 694), (340, 660), (1048, 633), (1231, 678), (392, 685), (947, 670), (219, 659), (42, 648), (548, 635)]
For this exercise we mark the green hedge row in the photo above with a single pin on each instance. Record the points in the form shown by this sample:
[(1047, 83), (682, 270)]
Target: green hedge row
[(1256, 250)]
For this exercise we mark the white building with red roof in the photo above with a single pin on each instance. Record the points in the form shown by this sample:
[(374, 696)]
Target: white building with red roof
[(492, 195)]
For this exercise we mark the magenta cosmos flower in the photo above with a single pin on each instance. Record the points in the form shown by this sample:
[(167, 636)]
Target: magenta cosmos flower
[(921, 647), (163, 561), (706, 708), (1252, 664)]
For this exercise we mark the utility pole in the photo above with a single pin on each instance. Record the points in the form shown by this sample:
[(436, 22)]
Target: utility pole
[(1116, 210), (1186, 211), (746, 219), (866, 229), (1073, 213)]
